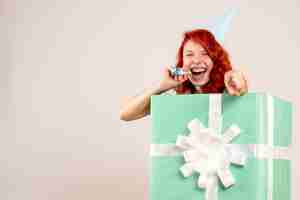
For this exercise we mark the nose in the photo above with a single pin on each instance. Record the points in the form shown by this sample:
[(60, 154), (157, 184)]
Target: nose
[(197, 59)]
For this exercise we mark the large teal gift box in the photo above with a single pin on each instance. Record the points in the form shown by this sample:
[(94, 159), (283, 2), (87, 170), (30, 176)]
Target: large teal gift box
[(265, 122)]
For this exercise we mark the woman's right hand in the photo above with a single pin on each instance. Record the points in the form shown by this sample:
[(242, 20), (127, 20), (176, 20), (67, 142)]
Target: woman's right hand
[(169, 82)]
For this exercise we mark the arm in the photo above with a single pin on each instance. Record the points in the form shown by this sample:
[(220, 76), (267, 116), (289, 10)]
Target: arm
[(139, 106)]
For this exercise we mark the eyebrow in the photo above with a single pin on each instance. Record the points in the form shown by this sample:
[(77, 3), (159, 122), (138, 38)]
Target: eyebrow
[(187, 51)]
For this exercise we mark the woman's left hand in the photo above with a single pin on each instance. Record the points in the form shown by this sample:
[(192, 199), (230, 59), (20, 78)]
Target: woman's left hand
[(236, 83)]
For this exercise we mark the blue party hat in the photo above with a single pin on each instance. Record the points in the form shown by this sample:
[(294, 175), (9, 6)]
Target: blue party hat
[(222, 24)]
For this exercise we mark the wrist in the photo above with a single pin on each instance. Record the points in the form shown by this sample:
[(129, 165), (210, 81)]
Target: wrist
[(158, 89), (161, 88)]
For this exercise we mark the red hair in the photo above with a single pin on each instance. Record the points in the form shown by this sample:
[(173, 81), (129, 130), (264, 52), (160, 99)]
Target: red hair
[(216, 52)]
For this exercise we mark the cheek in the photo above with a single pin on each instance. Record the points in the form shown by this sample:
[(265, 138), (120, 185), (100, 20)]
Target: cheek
[(209, 63), (186, 63)]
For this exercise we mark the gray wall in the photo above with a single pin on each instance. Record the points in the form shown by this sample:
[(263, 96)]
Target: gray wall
[(65, 65)]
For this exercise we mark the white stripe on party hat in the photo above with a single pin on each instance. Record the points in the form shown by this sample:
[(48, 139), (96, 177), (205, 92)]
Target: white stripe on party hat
[(218, 27), (222, 25)]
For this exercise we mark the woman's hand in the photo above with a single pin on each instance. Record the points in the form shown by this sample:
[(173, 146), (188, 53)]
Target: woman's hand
[(169, 82), (236, 83)]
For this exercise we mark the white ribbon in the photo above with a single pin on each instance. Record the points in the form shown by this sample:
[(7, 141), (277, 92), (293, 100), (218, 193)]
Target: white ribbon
[(258, 151)]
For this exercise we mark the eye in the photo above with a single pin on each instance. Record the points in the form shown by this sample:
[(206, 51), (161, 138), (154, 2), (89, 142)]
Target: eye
[(189, 54)]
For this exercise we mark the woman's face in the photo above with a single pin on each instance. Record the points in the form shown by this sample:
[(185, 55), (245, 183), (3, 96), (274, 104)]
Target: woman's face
[(196, 59)]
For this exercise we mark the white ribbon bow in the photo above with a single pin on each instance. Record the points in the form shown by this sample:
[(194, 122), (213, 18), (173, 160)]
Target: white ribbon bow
[(206, 152)]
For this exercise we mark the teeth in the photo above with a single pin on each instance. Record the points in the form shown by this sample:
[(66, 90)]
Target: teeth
[(198, 70)]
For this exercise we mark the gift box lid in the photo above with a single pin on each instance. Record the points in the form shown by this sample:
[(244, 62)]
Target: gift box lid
[(255, 113)]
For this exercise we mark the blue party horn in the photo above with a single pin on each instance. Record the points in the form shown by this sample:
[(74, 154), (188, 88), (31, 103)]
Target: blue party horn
[(176, 71)]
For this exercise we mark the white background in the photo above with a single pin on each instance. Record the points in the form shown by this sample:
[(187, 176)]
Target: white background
[(65, 65)]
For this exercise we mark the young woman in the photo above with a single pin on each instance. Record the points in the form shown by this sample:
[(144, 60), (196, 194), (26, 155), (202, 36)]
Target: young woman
[(210, 72)]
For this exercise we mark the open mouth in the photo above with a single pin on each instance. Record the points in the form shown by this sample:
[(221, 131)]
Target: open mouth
[(197, 73)]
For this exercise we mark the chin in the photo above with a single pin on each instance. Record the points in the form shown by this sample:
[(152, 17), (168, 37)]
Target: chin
[(199, 82)]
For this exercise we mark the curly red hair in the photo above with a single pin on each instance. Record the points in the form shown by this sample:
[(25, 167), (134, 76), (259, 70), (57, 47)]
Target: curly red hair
[(220, 58)]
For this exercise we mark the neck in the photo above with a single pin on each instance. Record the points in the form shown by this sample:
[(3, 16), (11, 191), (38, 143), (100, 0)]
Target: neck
[(198, 89)]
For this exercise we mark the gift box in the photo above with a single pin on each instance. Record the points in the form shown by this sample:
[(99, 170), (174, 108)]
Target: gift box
[(216, 146)]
